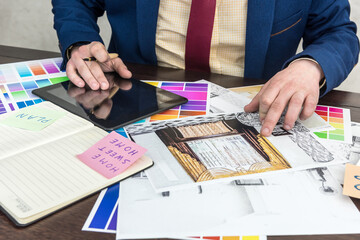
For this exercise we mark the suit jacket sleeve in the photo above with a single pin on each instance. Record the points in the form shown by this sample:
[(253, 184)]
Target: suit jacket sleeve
[(330, 38), (75, 21)]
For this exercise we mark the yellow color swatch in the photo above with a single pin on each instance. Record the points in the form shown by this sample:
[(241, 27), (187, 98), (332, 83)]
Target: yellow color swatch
[(250, 238), (156, 84), (337, 125)]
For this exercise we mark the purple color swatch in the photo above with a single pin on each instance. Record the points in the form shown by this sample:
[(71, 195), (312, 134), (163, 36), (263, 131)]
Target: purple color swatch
[(172, 84), (198, 89), (2, 108), (193, 107), (11, 107), (14, 87), (50, 67), (205, 85)]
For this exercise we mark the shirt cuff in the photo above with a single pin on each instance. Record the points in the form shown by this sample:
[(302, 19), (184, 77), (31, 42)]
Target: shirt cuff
[(68, 50)]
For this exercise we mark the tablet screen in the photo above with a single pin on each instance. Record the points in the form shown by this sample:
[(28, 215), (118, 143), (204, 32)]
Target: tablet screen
[(126, 101)]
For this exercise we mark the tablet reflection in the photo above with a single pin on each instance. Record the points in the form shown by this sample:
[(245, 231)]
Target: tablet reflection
[(123, 97)]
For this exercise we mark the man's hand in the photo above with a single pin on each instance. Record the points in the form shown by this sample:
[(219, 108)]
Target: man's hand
[(92, 72), (296, 87)]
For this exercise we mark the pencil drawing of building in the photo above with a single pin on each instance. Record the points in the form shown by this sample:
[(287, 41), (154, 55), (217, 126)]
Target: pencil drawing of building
[(221, 148)]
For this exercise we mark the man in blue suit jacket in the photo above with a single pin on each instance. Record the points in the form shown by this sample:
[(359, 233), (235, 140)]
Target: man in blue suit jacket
[(273, 31)]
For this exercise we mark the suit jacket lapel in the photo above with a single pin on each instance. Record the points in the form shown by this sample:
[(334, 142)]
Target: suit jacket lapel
[(147, 14), (258, 30)]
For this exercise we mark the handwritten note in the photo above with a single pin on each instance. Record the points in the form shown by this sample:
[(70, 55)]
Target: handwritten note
[(352, 181), (112, 155), (33, 118)]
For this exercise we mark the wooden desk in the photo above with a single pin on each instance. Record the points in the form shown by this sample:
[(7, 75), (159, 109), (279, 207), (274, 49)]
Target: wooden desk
[(67, 223)]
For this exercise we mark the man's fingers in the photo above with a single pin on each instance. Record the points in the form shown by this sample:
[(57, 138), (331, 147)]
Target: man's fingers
[(90, 71), (294, 108), (85, 73), (98, 50), (121, 68), (309, 107), (98, 74), (73, 76), (253, 106), (275, 109), (266, 100)]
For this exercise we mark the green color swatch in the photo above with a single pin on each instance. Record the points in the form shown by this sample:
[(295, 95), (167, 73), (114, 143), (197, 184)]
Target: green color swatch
[(58, 80)]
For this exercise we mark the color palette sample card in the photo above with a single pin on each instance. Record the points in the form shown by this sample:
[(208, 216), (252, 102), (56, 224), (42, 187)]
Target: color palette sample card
[(103, 217), (17, 80), (197, 94), (231, 237), (338, 118)]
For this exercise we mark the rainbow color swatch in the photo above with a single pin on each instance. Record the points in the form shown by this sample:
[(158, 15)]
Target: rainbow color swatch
[(231, 237), (196, 93), (338, 118), (17, 80)]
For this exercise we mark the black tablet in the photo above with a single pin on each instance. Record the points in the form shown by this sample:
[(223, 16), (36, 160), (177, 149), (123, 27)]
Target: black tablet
[(126, 101)]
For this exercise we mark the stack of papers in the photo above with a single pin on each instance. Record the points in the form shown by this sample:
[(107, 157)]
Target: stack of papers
[(215, 178)]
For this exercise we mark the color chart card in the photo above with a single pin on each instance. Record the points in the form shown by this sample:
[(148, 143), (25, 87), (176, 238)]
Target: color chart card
[(17, 80), (197, 93), (339, 118), (231, 237), (103, 216)]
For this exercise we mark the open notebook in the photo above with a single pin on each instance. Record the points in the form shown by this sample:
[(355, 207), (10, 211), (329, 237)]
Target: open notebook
[(39, 171)]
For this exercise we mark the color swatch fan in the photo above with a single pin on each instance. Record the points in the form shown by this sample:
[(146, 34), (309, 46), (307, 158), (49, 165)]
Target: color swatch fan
[(196, 93), (17, 80)]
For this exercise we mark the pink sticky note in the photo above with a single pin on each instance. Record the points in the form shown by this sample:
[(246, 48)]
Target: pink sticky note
[(112, 155)]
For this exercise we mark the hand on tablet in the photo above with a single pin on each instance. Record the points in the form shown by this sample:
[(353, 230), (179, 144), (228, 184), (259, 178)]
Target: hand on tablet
[(92, 72)]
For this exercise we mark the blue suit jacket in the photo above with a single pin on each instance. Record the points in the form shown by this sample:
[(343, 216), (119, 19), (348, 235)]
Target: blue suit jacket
[(274, 30)]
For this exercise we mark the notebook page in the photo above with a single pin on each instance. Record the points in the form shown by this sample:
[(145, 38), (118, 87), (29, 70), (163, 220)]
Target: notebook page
[(14, 140), (49, 175)]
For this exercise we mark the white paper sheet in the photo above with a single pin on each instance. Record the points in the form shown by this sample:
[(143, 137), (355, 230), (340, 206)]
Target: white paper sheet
[(297, 203)]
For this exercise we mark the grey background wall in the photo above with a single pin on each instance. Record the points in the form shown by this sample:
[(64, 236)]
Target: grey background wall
[(28, 24)]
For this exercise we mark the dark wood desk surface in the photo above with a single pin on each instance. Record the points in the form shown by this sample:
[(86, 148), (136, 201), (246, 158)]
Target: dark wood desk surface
[(67, 223)]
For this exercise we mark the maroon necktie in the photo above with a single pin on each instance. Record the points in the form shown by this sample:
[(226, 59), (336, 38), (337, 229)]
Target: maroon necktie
[(199, 32)]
